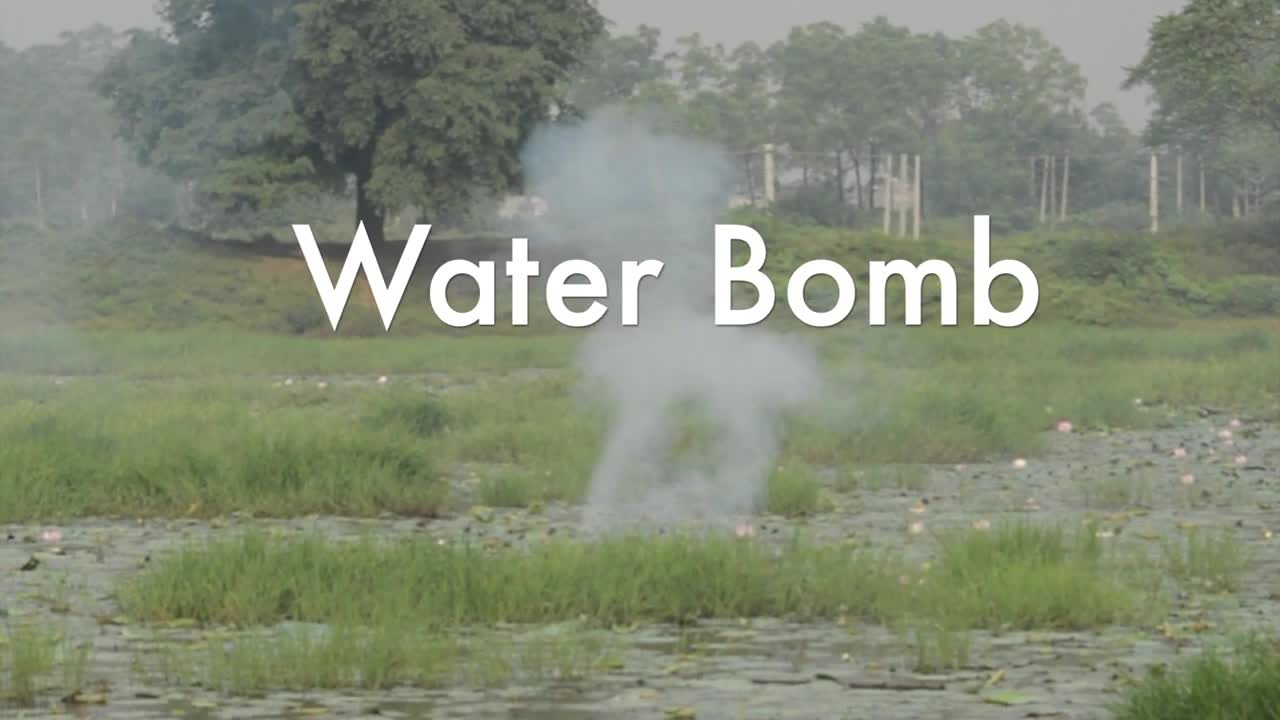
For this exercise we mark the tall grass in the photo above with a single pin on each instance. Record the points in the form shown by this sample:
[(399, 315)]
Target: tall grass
[(1244, 685), (206, 449), (1017, 576)]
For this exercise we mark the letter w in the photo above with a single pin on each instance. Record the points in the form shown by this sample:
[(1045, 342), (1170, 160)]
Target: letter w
[(361, 256)]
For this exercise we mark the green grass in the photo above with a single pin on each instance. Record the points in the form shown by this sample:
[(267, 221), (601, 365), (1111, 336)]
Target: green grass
[(793, 491), (1215, 562), (210, 445), (1023, 576), (36, 662), (207, 449), (1013, 576), (1244, 685), (382, 658), (1117, 492), (205, 333), (904, 478), (202, 353)]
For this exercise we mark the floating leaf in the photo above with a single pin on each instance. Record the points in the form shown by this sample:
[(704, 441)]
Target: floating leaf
[(1006, 698)]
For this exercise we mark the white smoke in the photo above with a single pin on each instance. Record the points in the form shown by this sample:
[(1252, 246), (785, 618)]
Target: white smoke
[(618, 189)]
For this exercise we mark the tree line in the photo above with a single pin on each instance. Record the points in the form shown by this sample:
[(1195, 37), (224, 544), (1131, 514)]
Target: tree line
[(238, 109)]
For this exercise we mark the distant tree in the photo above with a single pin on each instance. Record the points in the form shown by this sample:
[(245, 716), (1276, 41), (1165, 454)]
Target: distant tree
[(619, 69), (413, 102), (1214, 69), (57, 138), (1213, 65)]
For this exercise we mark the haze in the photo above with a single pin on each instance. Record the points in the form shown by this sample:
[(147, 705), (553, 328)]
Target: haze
[(1102, 36)]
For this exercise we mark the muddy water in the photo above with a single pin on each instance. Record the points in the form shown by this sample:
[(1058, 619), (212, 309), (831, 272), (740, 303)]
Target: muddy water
[(766, 668)]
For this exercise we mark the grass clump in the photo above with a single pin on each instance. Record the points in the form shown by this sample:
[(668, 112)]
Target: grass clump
[(381, 658), (1021, 576), (206, 449), (256, 579), (1213, 562), (35, 662), (903, 478), (1215, 686), (793, 492)]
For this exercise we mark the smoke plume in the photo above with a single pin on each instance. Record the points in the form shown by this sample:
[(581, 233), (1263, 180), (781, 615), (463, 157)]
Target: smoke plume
[(695, 411)]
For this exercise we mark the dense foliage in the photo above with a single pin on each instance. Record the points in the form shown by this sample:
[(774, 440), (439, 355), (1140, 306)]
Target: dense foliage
[(242, 114)]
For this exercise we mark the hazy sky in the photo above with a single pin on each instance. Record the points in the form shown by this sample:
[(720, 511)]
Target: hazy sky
[(1102, 36)]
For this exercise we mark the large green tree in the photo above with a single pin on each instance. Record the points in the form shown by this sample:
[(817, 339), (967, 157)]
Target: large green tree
[(408, 102), (1213, 65)]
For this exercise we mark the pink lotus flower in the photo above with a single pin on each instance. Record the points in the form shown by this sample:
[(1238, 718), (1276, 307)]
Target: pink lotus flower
[(51, 535), (1180, 452), (1224, 434), (1241, 460), (1019, 464), (1235, 423), (1188, 479), (745, 530), (1065, 426)]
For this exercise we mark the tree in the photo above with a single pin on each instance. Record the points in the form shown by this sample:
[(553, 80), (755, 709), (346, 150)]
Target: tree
[(418, 102), (1214, 68), (1214, 64), (619, 69), (56, 150)]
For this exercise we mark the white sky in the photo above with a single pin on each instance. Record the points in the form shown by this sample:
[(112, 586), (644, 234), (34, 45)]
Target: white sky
[(1102, 36)]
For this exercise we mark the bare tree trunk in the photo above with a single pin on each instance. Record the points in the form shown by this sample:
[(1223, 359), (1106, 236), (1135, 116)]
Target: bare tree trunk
[(840, 180), (368, 212)]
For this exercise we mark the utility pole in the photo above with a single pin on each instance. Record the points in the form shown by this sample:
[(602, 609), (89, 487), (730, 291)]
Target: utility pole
[(1155, 193), (1066, 187), (1053, 190), (904, 172), (1179, 172), (888, 194), (916, 199), (1200, 163), (1044, 187)]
